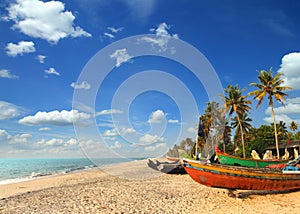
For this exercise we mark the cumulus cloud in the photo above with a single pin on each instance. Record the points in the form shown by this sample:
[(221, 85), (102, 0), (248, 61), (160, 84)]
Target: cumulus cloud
[(8, 110), (290, 67), (117, 145), (162, 38), (56, 142), (20, 48), (121, 56), (109, 112), (110, 133), (148, 139), (125, 131), (287, 113), (157, 147), (84, 85), (4, 136), (52, 71), (41, 58), (115, 132), (45, 20), (157, 116), (6, 74), (56, 118)]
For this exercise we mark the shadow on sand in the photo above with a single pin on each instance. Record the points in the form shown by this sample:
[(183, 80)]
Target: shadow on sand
[(243, 194)]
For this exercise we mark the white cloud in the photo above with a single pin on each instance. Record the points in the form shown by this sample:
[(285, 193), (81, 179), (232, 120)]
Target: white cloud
[(41, 58), (117, 145), (4, 136), (157, 147), (121, 56), (109, 111), (56, 142), (20, 138), (114, 132), (148, 139), (163, 37), (45, 20), (288, 113), (110, 133), (281, 117), (173, 121), (125, 131), (8, 110), (109, 35), (112, 32), (290, 108), (157, 116), (6, 74), (290, 67), (115, 30), (56, 118), (52, 71), (84, 85), (20, 48), (44, 129), (71, 142)]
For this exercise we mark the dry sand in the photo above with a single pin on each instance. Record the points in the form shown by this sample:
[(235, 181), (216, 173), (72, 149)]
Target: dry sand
[(146, 191)]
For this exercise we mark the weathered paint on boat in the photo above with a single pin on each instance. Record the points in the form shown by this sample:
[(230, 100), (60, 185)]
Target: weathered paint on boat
[(237, 161), (229, 177)]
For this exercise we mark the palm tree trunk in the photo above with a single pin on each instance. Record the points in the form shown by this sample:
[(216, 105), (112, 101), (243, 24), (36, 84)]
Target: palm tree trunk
[(242, 135), (275, 130)]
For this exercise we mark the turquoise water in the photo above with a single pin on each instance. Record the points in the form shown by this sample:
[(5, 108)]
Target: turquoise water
[(21, 169)]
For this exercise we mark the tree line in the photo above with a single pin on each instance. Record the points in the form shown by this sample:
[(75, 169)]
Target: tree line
[(233, 116)]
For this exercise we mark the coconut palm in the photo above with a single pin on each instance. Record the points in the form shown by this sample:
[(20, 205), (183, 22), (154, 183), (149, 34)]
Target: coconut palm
[(293, 127), (271, 86), (245, 123), (281, 130), (236, 103)]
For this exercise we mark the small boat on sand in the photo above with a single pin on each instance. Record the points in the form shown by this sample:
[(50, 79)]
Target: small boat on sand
[(247, 162), (167, 167), (245, 178)]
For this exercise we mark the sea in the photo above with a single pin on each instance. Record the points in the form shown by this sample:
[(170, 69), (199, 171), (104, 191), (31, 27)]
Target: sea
[(23, 169)]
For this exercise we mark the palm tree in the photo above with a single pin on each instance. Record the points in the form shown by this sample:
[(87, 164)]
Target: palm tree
[(245, 123), (293, 127), (281, 129), (270, 86), (236, 103)]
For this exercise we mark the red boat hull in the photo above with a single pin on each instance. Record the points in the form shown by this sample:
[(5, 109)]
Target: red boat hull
[(230, 178)]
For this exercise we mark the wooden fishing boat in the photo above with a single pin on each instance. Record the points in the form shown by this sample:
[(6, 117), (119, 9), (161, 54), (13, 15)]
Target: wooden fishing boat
[(235, 177), (247, 162), (166, 167)]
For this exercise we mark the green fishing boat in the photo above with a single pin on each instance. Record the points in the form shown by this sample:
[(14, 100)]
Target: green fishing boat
[(247, 162)]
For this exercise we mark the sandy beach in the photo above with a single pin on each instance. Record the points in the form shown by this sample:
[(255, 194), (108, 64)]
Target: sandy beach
[(135, 188)]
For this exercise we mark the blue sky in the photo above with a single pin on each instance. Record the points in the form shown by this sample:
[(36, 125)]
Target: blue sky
[(143, 97)]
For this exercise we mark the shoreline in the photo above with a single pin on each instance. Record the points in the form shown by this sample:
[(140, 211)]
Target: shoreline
[(96, 191)]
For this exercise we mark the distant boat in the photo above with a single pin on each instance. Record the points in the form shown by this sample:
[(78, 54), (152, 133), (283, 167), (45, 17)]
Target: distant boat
[(234, 177), (247, 162), (166, 167)]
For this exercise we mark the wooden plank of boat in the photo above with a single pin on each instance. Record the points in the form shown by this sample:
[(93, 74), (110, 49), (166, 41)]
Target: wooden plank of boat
[(229, 177), (237, 161)]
